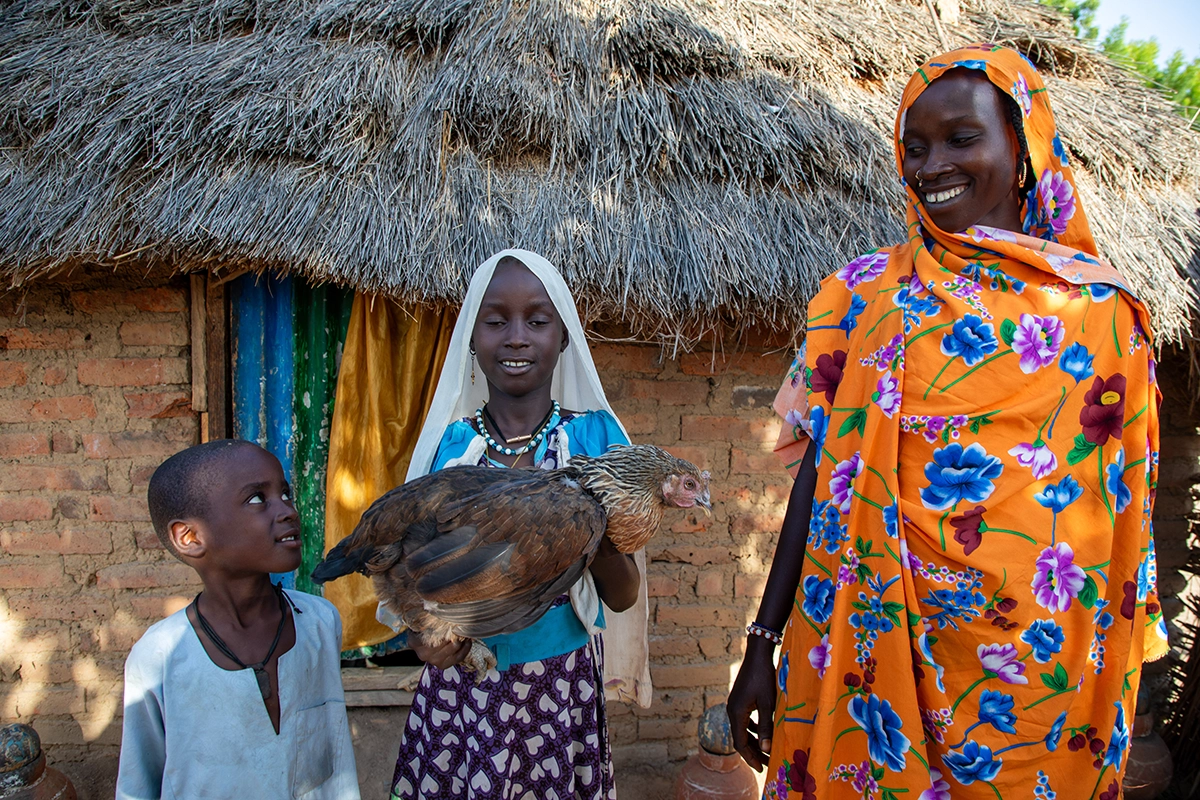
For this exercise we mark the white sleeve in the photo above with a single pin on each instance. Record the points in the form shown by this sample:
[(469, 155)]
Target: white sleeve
[(344, 783), (143, 733)]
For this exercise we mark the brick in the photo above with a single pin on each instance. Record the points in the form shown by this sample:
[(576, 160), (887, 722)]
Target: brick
[(16, 445), (145, 575), (666, 729), (119, 508), (14, 509), (48, 339), (119, 638), (168, 332), (140, 476), (157, 300), (153, 607), (129, 444), (690, 522), (661, 586), (743, 524), (673, 393), (71, 607), (705, 428), (46, 573), (661, 646), (69, 542), (13, 373), (700, 616), (20, 477), (773, 365), (158, 405), (70, 507), (43, 701), (640, 424), (753, 396), (712, 646), (64, 442), (749, 585), (710, 583), (754, 462), (627, 358), (132, 371), (712, 457), (698, 556), (54, 376), (147, 539), (689, 675), (52, 408)]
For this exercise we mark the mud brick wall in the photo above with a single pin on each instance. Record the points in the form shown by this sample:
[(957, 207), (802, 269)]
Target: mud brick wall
[(705, 574), (94, 393)]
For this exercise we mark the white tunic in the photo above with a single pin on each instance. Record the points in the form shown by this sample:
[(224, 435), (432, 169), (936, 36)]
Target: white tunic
[(194, 730)]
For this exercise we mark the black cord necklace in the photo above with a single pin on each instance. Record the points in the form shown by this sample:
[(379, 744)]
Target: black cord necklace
[(260, 669)]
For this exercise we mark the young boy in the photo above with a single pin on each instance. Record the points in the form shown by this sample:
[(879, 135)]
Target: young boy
[(239, 694)]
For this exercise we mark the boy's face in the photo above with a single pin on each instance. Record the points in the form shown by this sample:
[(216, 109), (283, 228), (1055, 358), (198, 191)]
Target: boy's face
[(251, 526)]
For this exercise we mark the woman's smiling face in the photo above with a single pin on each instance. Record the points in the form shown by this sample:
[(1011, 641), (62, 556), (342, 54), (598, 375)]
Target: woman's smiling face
[(518, 334), (957, 134)]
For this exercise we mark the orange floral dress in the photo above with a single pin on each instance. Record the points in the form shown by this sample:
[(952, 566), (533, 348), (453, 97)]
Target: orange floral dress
[(978, 593)]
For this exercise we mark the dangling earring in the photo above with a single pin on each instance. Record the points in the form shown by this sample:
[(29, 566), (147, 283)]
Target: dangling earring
[(1024, 174), (471, 348)]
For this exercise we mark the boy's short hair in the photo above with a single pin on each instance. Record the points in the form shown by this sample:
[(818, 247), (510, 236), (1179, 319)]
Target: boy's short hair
[(179, 487)]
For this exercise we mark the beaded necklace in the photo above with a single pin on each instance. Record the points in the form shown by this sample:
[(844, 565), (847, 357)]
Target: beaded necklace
[(536, 439)]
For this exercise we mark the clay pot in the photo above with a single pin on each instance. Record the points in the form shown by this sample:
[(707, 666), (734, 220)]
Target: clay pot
[(717, 772), (1149, 770), (23, 771)]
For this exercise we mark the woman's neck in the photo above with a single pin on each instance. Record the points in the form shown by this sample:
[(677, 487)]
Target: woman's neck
[(518, 416)]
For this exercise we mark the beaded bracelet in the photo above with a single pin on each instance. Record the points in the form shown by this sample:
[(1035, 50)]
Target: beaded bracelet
[(755, 629)]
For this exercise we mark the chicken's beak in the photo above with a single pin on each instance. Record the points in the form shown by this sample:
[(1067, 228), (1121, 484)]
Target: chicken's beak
[(703, 502)]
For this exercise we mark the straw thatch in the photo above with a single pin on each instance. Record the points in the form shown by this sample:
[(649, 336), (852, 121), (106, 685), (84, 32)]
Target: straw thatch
[(689, 164)]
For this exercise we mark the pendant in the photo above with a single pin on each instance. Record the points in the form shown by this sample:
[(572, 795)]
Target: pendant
[(264, 681)]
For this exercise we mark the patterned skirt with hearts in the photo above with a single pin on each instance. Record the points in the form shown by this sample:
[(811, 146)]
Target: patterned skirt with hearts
[(533, 732)]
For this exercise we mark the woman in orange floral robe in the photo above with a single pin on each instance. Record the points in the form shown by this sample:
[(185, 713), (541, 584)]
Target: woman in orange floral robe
[(965, 582)]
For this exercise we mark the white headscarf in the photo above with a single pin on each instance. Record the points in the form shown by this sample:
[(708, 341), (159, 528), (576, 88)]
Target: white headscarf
[(576, 385)]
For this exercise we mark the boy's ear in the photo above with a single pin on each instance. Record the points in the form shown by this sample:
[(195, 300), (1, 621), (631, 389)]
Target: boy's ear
[(186, 537)]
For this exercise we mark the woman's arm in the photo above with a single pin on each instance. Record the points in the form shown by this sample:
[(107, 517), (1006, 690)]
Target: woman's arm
[(754, 687), (616, 576)]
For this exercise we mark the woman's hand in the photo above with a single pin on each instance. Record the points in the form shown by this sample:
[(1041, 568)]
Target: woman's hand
[(442, 656), (753, 690)]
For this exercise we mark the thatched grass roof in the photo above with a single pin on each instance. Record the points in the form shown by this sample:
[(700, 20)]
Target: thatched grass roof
[(688, 164)]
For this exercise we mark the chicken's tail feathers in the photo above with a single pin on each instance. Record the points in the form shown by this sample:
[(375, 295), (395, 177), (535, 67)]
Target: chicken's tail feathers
[(341, 561)]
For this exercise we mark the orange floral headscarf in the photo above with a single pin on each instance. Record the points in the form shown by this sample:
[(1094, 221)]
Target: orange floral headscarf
[(978, 592)]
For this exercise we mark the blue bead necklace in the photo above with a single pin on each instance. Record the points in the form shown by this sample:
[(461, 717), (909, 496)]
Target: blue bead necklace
[(533, 442)]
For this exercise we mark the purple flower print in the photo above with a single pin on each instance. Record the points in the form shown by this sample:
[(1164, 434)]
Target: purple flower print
[(938, 789), (1003, 661), (1057, 580), (1040, 459), (1020, 93), (1056, 196), (821, 656), (841, 485), (863, 269), (887, 394), (1037, 341)]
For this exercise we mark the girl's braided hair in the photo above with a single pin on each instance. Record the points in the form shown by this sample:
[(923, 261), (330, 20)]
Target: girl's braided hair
[(1017, 119)]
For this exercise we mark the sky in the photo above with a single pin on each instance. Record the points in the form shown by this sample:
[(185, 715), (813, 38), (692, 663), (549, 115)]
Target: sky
[(1175, 23)]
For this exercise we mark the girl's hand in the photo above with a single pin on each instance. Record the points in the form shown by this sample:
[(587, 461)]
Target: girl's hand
[(753, 690), (443, 656), (616, 576)]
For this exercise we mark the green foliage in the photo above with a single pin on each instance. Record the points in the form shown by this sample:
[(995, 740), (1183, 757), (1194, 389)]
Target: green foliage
[(1082, 14), (1179, 79)]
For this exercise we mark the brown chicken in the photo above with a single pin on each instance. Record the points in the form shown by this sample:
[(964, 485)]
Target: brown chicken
[(471, 552)]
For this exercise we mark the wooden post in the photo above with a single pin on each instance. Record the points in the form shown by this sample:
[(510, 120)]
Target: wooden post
[(216, 368)]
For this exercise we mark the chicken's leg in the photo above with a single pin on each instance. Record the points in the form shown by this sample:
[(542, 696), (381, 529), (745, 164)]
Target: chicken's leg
[(479, 660)]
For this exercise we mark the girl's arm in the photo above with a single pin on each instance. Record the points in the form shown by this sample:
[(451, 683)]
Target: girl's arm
[(616, 576), (754, 688)]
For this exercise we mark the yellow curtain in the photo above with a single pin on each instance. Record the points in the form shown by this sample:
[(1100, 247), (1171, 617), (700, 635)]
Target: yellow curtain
[(390, 366)]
